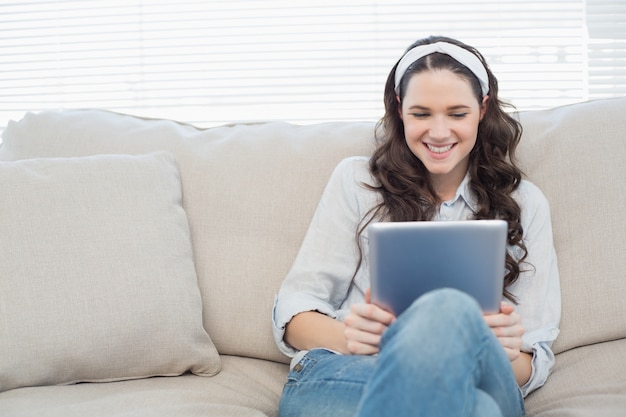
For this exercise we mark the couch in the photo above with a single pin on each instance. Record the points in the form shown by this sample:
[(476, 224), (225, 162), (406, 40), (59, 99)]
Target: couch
[(140, 258)]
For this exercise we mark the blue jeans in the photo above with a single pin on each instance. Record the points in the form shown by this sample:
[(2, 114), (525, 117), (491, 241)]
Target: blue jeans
[(438, 359)]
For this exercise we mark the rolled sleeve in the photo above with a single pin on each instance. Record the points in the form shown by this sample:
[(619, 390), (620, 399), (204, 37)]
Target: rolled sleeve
[(542, 364), (287, 308)]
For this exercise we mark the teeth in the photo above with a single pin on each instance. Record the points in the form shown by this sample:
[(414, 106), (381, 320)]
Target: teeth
[(439, 149)]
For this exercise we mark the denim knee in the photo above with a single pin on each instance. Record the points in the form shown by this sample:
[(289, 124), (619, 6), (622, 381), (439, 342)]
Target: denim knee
[(436, 314), (447, 301), (440, 357)]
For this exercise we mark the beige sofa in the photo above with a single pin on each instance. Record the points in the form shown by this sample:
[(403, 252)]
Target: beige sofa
[(121, 272)]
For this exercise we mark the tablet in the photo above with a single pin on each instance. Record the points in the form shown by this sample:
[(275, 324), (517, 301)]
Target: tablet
[(408, 259)]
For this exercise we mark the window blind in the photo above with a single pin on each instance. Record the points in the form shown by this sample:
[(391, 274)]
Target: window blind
[(606, 23), (211, 62)]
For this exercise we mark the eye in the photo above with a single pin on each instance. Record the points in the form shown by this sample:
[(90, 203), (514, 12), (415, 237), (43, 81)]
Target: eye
[(458, 115), (420, 115)]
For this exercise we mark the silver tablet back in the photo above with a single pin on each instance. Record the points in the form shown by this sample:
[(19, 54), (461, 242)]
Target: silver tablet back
[(408, 259)]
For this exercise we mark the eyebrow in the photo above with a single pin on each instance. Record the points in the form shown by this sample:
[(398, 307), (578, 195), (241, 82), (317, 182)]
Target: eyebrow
[(456, 107)]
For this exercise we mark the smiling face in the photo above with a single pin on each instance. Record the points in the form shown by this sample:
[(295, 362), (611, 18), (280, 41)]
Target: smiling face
[(440, 114)]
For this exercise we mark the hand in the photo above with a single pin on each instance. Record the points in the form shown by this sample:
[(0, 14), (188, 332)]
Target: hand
[(365, 325), (507, 327)]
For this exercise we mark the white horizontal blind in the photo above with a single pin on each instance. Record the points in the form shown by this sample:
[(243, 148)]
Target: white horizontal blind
[(210, 62), (606, 22)]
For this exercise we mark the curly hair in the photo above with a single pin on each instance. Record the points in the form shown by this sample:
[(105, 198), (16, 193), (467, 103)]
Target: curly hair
[(404, 182)]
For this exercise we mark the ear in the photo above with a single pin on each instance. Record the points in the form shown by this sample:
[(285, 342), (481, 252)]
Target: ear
[(483, 107), (399, 107)]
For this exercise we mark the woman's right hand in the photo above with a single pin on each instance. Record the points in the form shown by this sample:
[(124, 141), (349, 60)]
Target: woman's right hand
[(364, 327)]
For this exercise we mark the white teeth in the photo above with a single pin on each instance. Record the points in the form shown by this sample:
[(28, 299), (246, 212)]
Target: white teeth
[(439, 149)]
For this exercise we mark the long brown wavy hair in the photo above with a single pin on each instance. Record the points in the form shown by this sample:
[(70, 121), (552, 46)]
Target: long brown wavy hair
[(404, 182)]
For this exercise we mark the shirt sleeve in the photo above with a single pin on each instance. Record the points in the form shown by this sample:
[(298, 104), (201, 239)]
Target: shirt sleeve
[(538, 288), (321, 276)]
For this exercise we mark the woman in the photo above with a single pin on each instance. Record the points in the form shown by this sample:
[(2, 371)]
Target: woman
[(446, 152)]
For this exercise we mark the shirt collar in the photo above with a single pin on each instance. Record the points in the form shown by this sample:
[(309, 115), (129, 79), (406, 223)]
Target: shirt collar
[(464, 192)]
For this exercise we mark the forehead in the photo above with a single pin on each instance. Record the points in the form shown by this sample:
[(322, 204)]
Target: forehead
[(441, 85)]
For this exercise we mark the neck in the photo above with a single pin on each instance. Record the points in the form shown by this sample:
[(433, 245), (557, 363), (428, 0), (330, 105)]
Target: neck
[(446, 185)]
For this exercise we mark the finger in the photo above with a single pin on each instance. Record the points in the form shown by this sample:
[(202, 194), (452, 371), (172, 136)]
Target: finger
[(357, 336), (506, 308), (373, 313), (515, 331), (360, 324), (360, 342), (512, 346), (502, 320), (360, 318), (511, 342), (512, 354), (356, 348)]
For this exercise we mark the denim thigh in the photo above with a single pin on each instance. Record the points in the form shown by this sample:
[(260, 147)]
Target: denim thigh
[(324, 383)]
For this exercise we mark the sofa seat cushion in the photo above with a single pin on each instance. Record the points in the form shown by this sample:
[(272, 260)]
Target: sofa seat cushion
[(586, 381), (245, 387), (97, 277)]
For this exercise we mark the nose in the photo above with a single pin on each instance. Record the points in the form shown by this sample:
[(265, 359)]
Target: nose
[(439, 129)]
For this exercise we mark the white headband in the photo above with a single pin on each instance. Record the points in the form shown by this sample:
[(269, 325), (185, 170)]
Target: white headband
[(463, 56)]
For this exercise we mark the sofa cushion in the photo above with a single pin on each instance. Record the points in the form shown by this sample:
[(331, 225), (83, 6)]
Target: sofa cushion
[(249, 192), (576, 155), (244, 388), (97, 275), (586, 381)]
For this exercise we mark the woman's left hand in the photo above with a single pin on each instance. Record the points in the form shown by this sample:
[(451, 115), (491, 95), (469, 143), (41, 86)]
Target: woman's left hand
[(507, 327)]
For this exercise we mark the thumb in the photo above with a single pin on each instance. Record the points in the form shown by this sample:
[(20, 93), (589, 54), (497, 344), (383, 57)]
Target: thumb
[(368, 296), (506, 308)]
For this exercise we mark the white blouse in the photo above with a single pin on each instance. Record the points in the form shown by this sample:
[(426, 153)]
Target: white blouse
[(321, 276)]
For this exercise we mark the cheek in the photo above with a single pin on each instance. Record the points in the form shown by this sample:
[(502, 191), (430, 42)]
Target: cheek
[(469, 131), (412, 131)]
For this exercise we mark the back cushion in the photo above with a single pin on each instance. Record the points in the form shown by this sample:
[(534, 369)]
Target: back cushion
[(576, 155), (97, 270), (249, 192)]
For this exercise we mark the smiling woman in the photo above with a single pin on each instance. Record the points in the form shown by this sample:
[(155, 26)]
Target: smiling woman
[(210, 62), (442, 355)]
